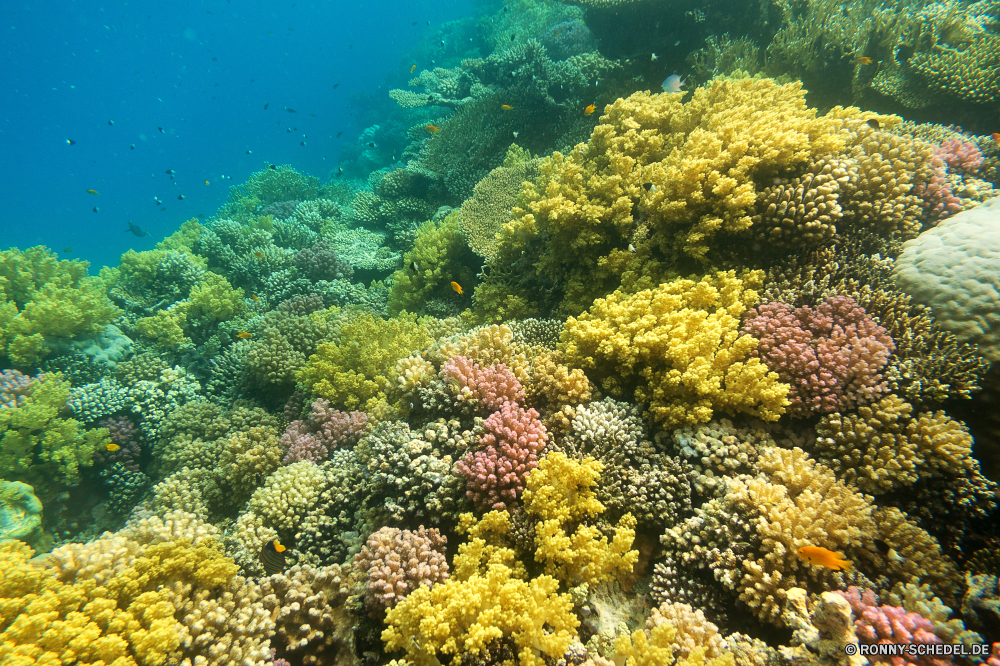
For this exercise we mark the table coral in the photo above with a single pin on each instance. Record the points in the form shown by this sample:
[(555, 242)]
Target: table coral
[(831, 355), (678, 349)]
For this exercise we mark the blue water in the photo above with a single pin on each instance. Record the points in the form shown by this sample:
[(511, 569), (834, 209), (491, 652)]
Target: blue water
[(201, 71)]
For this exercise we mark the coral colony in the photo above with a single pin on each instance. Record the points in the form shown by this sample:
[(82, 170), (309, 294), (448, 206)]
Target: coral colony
[(693, 379)]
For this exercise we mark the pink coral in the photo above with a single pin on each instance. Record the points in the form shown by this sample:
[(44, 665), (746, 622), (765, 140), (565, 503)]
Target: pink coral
[(960, 155), (876, 624), (994, 659), (832, 354), (491, 386), (15, 388), (941, 203), (324, 429), (395, 562), (495, 474)]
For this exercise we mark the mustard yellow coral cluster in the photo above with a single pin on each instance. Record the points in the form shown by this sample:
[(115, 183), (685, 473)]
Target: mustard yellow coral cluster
[(678, 349), (560, 496)]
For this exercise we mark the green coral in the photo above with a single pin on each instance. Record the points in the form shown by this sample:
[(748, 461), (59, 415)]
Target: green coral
[(439, 257), (42, 298), (39, 447), (215, 299), (356, 371), (265, 187)]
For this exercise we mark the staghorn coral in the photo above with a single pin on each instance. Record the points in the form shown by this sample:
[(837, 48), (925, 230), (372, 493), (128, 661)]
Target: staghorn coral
[(677, 349), (394, 562), (831, 355)]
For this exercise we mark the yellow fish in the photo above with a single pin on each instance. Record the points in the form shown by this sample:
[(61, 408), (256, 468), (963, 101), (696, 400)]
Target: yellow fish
[(433, 129), (254, 297), (91, 191), (823, 557), (244, 335), (864, 60), (413, 69), (457, 287), (503, 107), (207, 183), (589, 110), (112, 448)]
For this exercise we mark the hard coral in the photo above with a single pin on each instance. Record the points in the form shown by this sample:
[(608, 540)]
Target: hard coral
[(323, 430), (832, 355), (893, 625), (395, 562), (495, 474), (490, 387), (678, 349)]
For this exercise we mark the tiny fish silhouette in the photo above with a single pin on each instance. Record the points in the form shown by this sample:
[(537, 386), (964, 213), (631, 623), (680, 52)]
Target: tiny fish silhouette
[(136, 231)]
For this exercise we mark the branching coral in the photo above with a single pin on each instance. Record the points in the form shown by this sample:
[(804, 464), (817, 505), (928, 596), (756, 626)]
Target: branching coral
[(394, 562), (832, 355), (678, 349)]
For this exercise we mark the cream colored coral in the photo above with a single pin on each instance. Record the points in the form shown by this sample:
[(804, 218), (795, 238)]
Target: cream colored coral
[(288, 495), (693, 630)]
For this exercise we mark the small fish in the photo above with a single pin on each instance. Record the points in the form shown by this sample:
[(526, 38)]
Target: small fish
[(96, 209), (214, 58), (651, 187), (249, 152), (673, 83), (555, 32), (288, 131), (258, 254), (244, 335), (180, 197), (433, 129), (515, 134), (272, 557), (161, 129), (272, 167), (371, 144), (254, 297), (170, 172), (131, 146), (290, 110), (336, 85), (70, 142), (91, 191), (112, 447), (302, 143), (457, 287), (513, 37), (874, 124), (340, 172), (653, 57), (136, 231), (157, 201), (631, 248), (415, 266), (67, 249), (864, 60), (589, 110), (823, 557), (207, 183), (506, 107), (340, 134), (887, 551), (266, 104), (111, 122), (413, 69)]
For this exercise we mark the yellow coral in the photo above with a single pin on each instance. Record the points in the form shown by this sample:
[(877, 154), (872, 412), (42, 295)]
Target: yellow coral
[(484, 601), (659, 648), (679, 346), (214, 299), (166, 326), (560, 495)]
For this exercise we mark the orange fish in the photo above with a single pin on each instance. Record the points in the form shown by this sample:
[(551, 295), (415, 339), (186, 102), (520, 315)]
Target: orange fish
[(258, 254), (589, 110), (244, 335), (457, 287), (996, 136), (91, 191), (556, 32), (433, 129), (254, 297), (864, 60), (824, 558), (506, 107), (413, 69)]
